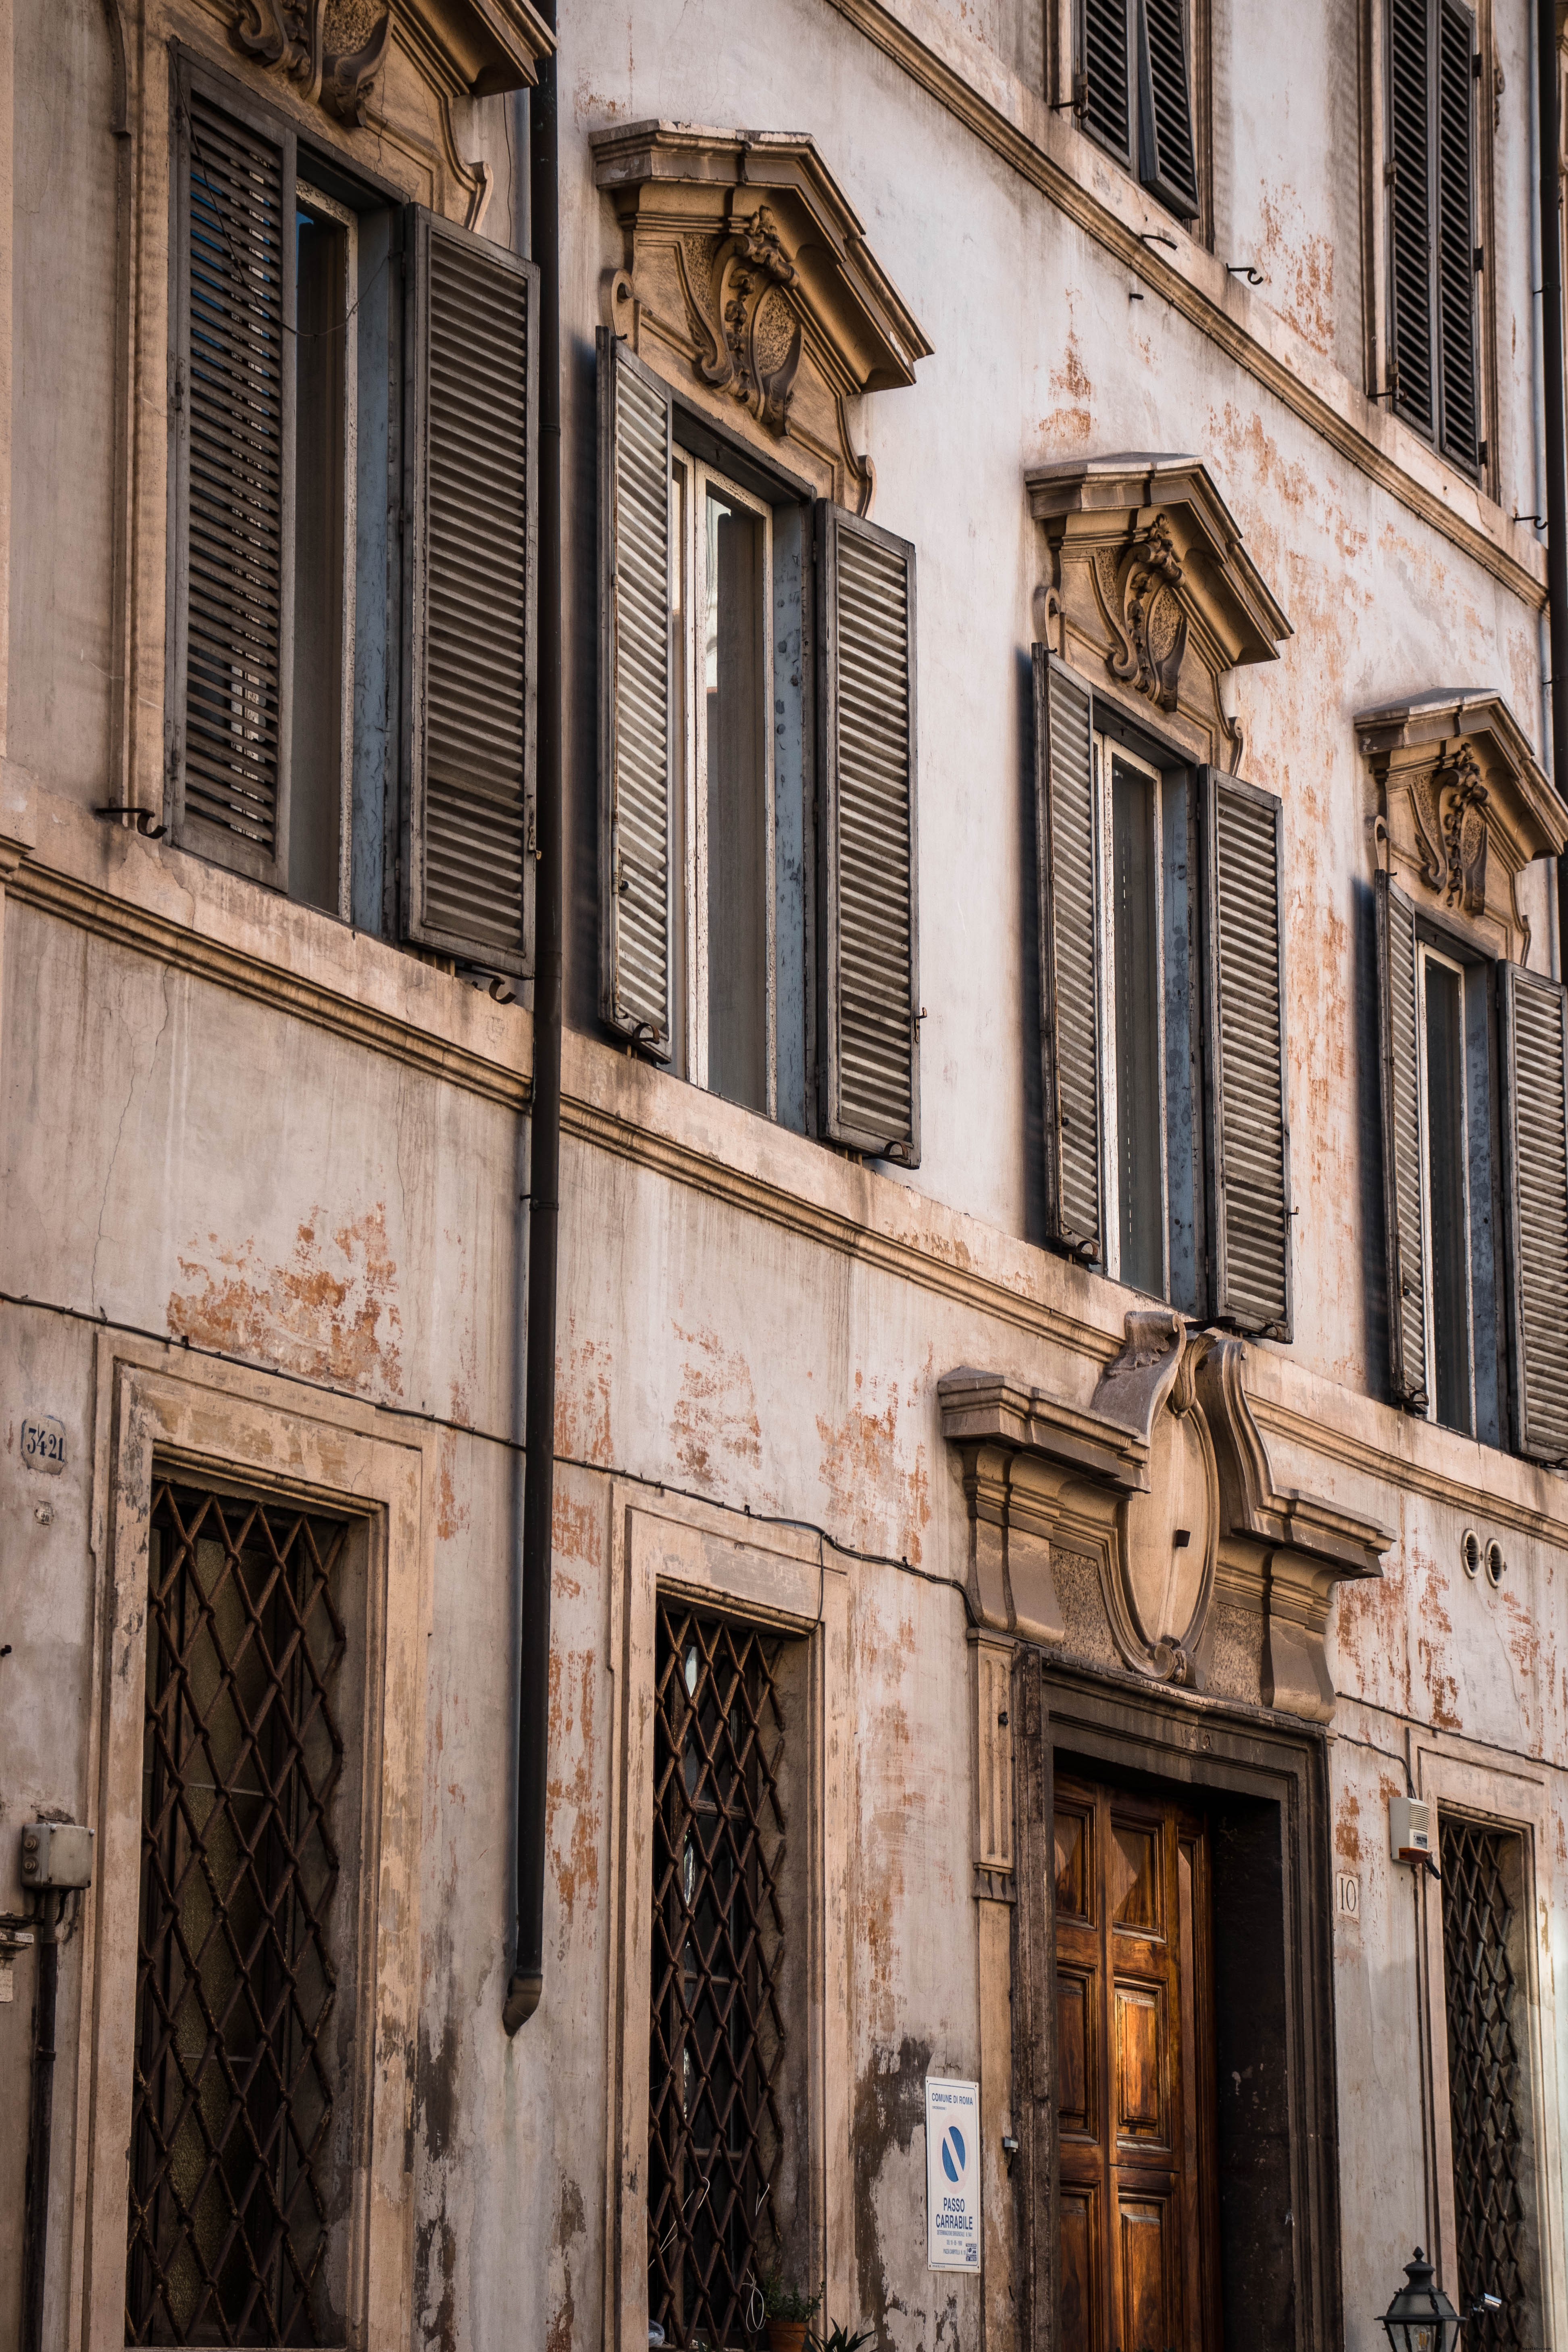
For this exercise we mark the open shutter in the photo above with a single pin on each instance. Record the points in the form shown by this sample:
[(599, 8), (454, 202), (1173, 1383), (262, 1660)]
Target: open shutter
[(1536, 1168), (1455, 234), (1105, 63), (1069, 964), (1250, 1137), (1400, 1088), (1410, 208), (635, 704), (232, 413), (1165, 160), (871, 1004), (469, 868)]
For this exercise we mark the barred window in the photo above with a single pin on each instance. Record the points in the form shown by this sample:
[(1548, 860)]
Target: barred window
[(727, 1939), (1489, 2081), (241, 2102)]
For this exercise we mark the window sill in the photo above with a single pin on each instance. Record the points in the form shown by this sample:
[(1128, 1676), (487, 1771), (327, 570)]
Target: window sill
[(219, 926)]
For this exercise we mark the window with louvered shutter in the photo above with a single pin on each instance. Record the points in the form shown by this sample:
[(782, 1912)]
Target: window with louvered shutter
[(233, 485), (1069, 965), (1248, 1139), (1431, 174), (1455, 234), (468, 872), (1105, 57), (1166, 159), (870, 1058), (635, 698), (1404, 1192), (1535, 1161)]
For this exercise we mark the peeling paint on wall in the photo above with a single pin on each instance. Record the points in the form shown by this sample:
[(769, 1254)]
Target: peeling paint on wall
[(329, 1311)]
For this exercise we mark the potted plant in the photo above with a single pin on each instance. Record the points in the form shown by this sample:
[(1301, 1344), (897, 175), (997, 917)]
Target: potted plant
[(787, 2313), (840, 2337)]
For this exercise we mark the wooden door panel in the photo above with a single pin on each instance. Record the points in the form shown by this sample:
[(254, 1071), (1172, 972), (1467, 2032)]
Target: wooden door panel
[(1079, 2320), (1147, 2301), (1130, 2103), (1077, 2057), (1141, 2064)]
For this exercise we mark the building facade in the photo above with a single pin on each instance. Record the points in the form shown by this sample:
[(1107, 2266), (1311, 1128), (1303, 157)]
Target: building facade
[(785, 1243)]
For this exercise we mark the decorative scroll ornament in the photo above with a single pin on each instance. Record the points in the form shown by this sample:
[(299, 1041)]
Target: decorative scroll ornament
[(1450, 810), (1138, 589), (333, 49), (748, 336)]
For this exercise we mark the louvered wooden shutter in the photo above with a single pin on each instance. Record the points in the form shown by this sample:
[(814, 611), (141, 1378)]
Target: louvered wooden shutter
[(1455, 234), (635, 764), (1165, 113), (1105, 62), (865, 707), (1069, 963), (1410, 209), (1249, 1140), (1535, 1166), (1403, 1196), (468, 864), (232, 405)]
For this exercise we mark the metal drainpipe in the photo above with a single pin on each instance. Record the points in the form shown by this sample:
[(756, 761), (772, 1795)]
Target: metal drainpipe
[(1556, 450), (527, 1985), (41, 2126)]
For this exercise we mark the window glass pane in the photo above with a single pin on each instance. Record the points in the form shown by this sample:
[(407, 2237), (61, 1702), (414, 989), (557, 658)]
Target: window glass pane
[(791, 567), (1446, 1183), (320, 349), (1183, 1144), (733, 671), (1135, 988)]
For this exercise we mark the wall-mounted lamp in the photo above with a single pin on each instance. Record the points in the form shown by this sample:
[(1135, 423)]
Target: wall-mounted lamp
[(1421, 2318)]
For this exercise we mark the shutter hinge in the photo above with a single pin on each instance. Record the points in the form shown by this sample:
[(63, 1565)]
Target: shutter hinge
[(1476, 65), (1391, 171), (1480, 259), (531, 839), (179, 391)]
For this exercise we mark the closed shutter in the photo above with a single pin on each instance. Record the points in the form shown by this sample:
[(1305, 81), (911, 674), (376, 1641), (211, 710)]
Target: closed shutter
[(866, 630), (1400, 1088), (1410, 207), (1105, 61), (1455, 234), (1249, 1139), (1165, 113), (636, 765), (233, 467), (1536, 1164), (468, 867), (1069, 962)]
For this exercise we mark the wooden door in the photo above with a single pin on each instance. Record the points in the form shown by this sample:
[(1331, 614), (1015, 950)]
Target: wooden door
[(1134, 2075)]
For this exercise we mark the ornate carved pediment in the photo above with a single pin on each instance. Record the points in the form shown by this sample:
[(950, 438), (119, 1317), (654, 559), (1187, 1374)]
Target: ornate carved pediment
[(746, 274), (1464, 803), (1150, 589), (1165, 1483), (334, 50)]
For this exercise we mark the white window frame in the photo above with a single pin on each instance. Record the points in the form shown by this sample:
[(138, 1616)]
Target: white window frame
[(315, 200), (691, 480), (1107, 749), (1426, 955), (255, 1431)]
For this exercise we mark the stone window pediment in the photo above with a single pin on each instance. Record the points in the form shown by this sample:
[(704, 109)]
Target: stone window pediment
[(1149, 594), (1465, 806), (747, 280)]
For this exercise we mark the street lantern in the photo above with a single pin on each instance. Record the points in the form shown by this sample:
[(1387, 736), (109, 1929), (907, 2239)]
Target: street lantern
[(1421, 2318)]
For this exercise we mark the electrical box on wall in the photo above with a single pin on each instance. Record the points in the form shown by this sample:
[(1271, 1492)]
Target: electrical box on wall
[(1410, 1829), (56, 1854)]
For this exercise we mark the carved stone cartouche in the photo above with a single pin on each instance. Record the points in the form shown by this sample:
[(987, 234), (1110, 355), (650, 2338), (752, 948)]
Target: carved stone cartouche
[(1139, 589), (333, 49)]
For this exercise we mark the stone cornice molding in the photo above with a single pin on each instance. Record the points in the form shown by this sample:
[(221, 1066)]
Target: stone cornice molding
[(747, 274), (1353, 425), (1465, 804), (1169, 1435)]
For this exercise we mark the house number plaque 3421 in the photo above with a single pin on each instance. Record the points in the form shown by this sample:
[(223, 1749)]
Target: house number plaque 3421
[(44, 1444)]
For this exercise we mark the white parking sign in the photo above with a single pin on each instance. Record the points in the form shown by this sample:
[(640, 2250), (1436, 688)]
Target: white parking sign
[(952, 2175)]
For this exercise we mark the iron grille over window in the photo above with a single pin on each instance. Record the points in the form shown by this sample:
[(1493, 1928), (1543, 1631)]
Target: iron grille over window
[(716, 2046), (235, 1982), (1484, 2082)]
